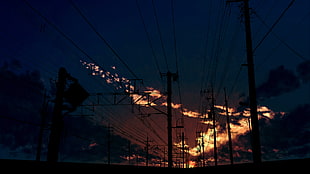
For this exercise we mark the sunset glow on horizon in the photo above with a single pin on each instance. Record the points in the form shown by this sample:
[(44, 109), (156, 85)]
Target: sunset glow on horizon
[(241, 127)]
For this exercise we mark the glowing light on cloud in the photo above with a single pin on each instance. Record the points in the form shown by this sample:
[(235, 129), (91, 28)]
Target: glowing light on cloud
[(189, 113), (123, 84), (265, 111), (93, 144), (241, 127), (174, 106), (109, 77)]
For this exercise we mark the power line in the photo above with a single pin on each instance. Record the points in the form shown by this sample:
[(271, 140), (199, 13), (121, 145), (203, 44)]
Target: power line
[(217, 44), (58, 30), (89, 23), (174, 36), (273, 25), (204, 69), (176, 60), (160, 34), (62, 33), (148, 37), (114, 118), (33, 63), (20, 121), (101, 37), (281, 40)]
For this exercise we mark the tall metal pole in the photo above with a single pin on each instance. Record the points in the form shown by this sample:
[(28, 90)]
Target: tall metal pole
[(256, 148), (169, 77), (57, 120), (255, 138), (169, 118)]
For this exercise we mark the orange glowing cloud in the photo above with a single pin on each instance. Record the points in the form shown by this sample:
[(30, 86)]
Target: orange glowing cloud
[(193, 114), (93, 144), (174, 106), (265, 111), (205, 143)]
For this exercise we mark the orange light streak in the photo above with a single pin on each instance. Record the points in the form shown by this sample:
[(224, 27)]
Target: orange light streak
[(193, 114)]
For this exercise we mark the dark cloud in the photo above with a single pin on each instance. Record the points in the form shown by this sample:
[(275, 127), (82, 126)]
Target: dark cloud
[(20, 103), (280, 81), (93, 143), (286, 136), (289, 135), (303, 71), (283, 137)]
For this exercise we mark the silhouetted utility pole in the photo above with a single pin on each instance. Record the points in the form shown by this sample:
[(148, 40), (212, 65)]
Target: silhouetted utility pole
[(183, 150), (129, 152), (202, 144), (42, 126), (169, 113), (109, 143), (57, 120), (74, 95), (228, 131), (214, 127), (256, 147), (147, 151)]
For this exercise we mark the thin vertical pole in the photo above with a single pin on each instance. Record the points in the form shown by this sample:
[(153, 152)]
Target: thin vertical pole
[(228, 131), (109, 144), (214, 129), (203, 150), (129, 152), (183, 150), (169, 118), (147, 151), (43, 119)]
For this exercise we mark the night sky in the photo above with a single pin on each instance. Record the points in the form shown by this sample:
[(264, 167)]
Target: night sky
[(120, 51)]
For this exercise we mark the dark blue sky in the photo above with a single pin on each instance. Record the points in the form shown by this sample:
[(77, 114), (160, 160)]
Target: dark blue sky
[(209, 39), (203, 41)]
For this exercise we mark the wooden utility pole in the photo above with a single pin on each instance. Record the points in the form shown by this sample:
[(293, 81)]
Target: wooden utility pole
[(57, 120), (255, 138), (256, 148), (228, 131)]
